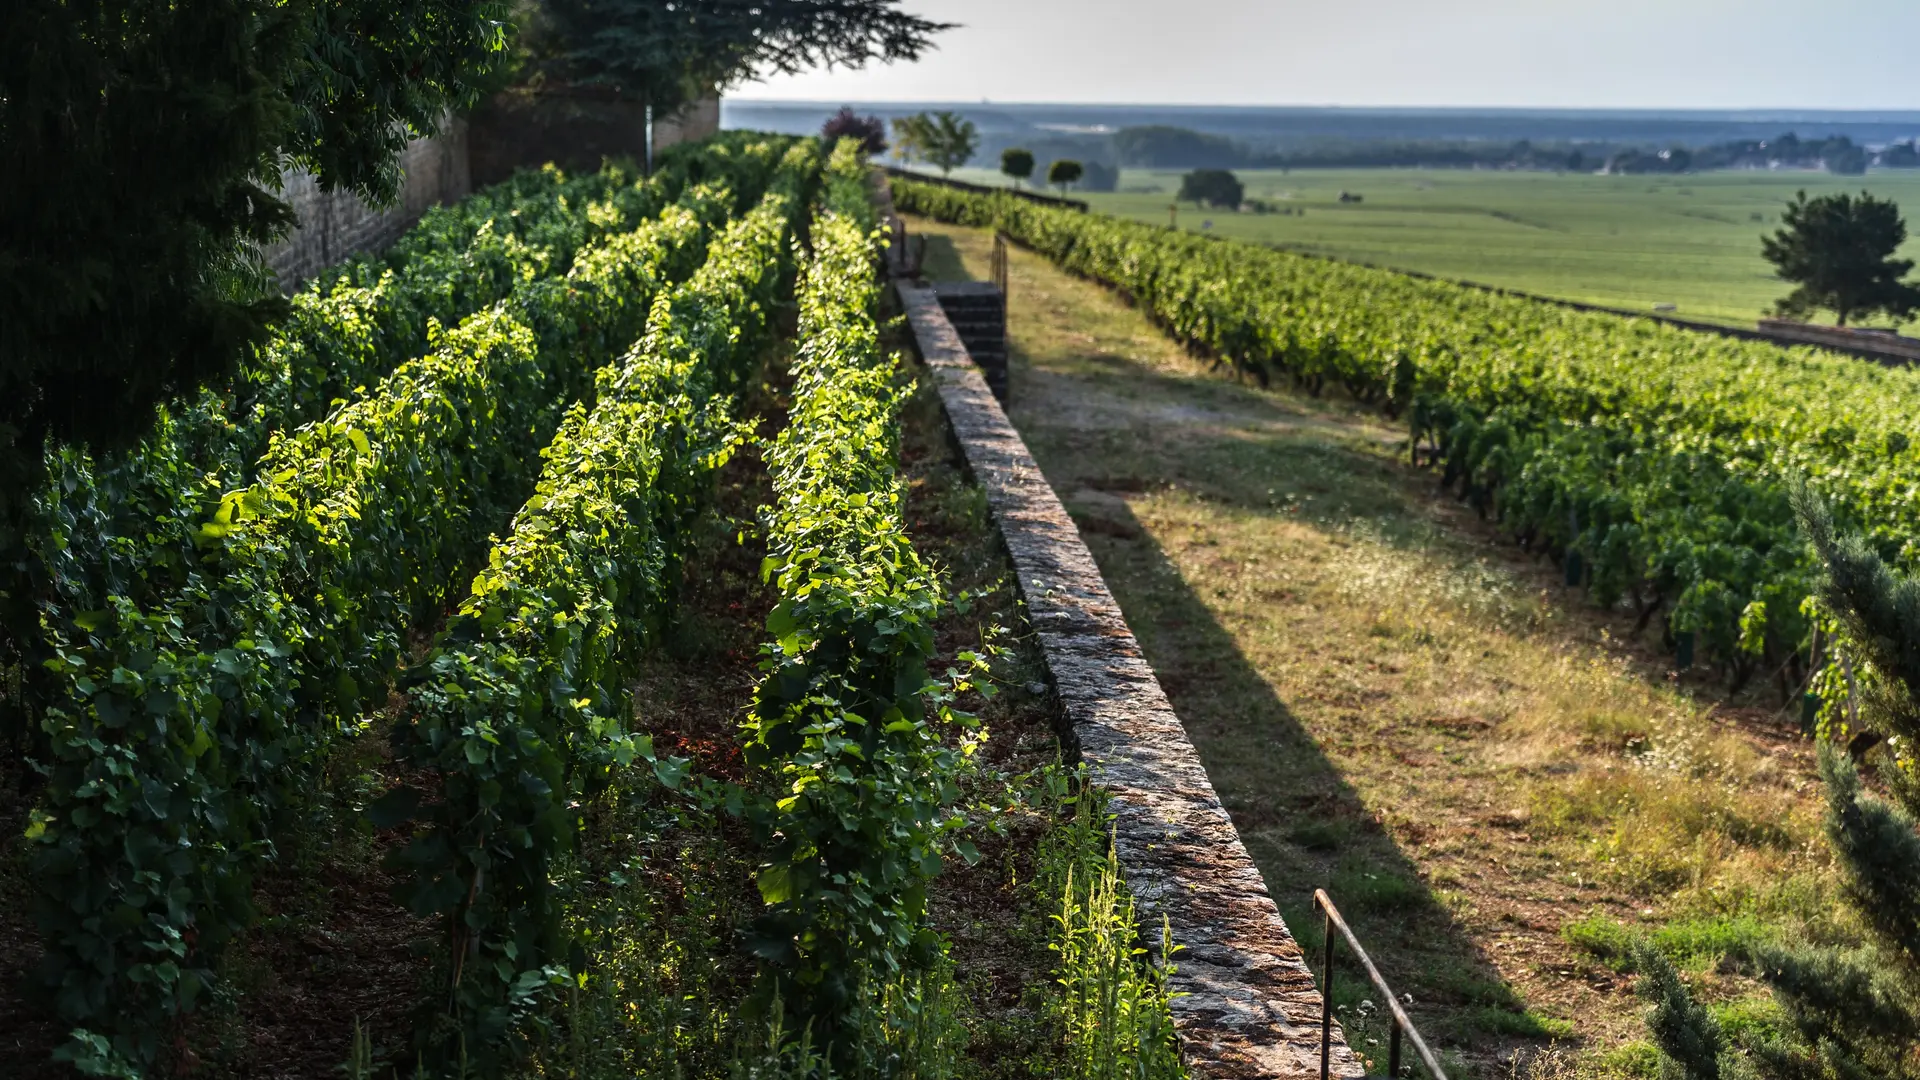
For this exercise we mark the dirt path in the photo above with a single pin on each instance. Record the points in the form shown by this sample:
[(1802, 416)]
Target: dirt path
[(1494, 783)]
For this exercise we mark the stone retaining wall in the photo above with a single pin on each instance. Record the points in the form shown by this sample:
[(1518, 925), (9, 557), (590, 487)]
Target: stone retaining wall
[(1246, 1005)]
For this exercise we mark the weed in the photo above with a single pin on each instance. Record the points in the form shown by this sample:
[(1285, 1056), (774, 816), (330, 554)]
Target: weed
[(1751, 1021), (1704, 942), (1113, 1004), (1604, 937), (1636, 1060), (1487, 1021), (1697, 943)]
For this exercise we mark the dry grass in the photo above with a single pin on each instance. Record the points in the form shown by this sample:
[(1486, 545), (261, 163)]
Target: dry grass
[(1398, 706)]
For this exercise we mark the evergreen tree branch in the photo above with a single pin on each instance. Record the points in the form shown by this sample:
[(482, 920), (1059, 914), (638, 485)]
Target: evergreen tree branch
[(1877, 844), (1681, 1027), (668, 53), (1837, 996)]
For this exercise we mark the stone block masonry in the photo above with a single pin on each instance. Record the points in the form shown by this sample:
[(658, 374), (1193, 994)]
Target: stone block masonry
[(1246, 1007), (334, 225), (978, 312), (512, 131), (574, 128)]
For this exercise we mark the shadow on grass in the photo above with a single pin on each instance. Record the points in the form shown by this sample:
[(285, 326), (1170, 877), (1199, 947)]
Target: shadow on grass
[(1304, 824), (1143, 429)]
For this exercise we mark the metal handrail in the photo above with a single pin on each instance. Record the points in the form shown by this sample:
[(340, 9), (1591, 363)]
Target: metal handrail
[(1333, 921)]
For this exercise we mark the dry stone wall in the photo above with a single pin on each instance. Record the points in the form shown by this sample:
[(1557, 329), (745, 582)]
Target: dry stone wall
[(1890, 348), (1246, 1006)]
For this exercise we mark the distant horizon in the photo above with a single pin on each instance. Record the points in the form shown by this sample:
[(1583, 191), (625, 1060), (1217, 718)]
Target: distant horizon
[(1728, 112)]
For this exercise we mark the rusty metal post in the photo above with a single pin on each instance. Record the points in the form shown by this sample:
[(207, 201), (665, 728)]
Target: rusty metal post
[(1326, 1001), (1401, 1023)]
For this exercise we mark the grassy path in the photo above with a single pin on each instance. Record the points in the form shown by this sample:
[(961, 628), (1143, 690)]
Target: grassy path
[(1491, 778)]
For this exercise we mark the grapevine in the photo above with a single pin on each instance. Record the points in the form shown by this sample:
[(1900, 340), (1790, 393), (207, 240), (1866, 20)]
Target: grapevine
[(847, 724), (182, 720)]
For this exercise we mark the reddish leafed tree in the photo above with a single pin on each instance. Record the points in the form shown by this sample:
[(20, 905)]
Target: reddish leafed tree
[(847, 124)]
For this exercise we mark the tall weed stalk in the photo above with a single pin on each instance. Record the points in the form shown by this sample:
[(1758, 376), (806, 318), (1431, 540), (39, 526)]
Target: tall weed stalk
[(1112, 1004)]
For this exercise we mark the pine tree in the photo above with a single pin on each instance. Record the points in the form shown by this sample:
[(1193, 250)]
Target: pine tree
[(1685, 1032), (1839, 250), (1858, 1010)]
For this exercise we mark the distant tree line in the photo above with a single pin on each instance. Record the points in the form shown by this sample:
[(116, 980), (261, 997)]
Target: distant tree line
[(1838, 154), (946, 140)]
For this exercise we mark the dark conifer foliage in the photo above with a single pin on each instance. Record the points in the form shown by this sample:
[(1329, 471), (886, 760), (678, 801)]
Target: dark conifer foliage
[(1838, 249), (1680, 1026), (668, 54), (141, 144)]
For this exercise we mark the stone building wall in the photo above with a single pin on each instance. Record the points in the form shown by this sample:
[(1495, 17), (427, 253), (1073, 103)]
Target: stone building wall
[(338, 224), (515, 130), (574, 128), (697, 121)]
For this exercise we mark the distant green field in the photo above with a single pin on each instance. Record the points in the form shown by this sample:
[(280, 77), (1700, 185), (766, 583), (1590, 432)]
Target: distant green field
[(1624, 241)]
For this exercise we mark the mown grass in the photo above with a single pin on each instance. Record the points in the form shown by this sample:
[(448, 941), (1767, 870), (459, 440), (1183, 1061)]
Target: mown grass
[(1622, 241), (1496, 782)]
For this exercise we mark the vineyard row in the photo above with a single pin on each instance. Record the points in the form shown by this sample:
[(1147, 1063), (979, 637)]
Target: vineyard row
[(186, 692)]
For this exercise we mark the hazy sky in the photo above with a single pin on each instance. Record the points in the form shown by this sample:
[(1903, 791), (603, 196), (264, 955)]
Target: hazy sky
[(1840, 54)]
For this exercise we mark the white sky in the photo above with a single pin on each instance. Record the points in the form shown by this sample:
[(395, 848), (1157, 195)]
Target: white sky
[(1840, 54)]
